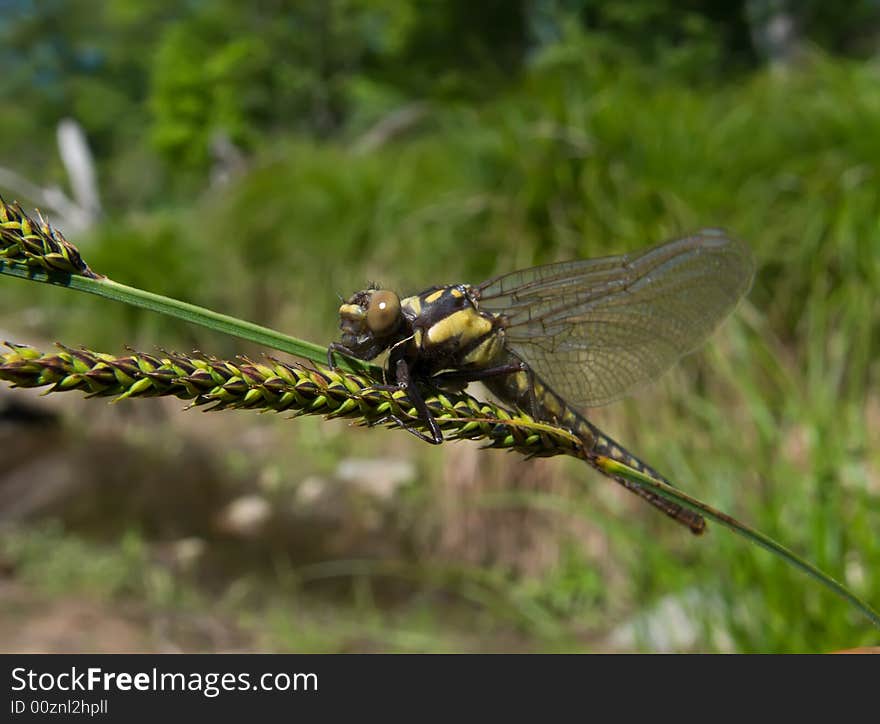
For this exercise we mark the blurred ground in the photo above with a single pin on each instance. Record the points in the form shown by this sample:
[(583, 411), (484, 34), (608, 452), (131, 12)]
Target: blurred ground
[(33, 622)]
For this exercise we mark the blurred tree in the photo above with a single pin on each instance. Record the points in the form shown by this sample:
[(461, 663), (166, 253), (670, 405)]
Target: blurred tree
[(241, 69), (205, 82), (691, 38), (78, 59), (780, 26), (148, 75), (461, 46)]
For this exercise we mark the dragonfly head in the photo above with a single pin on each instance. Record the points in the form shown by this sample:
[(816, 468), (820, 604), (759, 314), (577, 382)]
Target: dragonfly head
[(369, 321)]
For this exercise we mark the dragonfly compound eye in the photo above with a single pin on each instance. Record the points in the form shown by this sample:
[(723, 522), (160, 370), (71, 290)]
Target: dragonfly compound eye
[(383, 313)]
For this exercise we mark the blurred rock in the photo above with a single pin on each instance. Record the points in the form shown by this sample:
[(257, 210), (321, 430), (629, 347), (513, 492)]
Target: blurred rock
[(673, 624), (188, 551), (381, 477), (310, 491), (180, 556), (245, 517)]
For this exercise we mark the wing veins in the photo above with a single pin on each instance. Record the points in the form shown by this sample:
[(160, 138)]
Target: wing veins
[(596, 328)]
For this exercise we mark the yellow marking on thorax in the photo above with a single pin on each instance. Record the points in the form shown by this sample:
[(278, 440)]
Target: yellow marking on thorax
[(466, 325), (456, 292), (413, 303), (486, 352), (433, 297), (417, 338)]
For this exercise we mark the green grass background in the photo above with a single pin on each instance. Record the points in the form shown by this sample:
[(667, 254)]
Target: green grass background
[(775, 421)]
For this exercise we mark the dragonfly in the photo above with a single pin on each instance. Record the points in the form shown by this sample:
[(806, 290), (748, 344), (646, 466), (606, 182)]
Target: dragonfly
[(556, 340)]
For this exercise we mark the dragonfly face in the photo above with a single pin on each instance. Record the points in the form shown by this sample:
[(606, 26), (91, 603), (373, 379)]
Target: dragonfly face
[(369, 320), (556, 339)]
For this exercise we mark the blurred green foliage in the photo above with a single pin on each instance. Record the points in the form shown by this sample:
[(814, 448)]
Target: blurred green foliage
[(547, 130)]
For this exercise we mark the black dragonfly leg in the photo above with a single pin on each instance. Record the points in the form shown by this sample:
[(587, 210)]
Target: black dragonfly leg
[(476, 375), (333, 349), (405, 382), (463, 377), (508, 369)]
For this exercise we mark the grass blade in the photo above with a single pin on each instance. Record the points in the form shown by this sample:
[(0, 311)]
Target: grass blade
[(613, 467), (192, 313)]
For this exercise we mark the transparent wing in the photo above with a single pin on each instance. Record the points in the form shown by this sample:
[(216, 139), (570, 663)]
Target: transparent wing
[(595, 329)]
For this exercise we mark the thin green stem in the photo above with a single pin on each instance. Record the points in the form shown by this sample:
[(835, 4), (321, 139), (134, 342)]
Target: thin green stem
[(613, 467), (109, 289)]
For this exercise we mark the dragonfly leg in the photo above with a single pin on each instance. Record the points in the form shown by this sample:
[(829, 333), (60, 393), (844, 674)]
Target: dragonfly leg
[(476, 375), (533, 398), (408, 385), (402, 381), (335, 348)]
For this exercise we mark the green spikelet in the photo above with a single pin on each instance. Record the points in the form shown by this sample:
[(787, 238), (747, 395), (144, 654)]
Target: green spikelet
[(274, 385), (38, 243)]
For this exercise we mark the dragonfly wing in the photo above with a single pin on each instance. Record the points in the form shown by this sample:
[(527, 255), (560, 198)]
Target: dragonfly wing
[(594, 329)]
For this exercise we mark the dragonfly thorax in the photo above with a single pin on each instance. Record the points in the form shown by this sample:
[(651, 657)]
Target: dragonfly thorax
[(450, 330)]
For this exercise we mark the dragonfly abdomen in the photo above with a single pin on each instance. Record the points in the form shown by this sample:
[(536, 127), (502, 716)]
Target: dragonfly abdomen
[(604, 445), (530, 393)]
